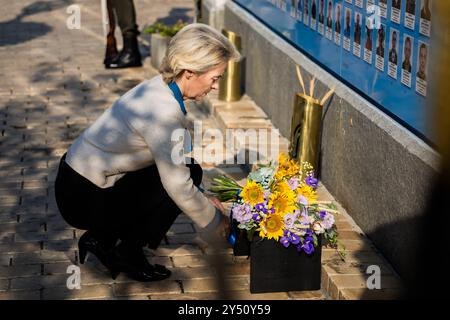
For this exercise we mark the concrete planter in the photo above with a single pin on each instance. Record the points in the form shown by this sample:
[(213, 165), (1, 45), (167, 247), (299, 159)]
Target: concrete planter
[(158, 46)]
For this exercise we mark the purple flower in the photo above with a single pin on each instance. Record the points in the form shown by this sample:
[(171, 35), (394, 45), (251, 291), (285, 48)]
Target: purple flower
[(312, 182), (322, 214), (285, 242), (294, 239), (242, 213), (289, 220), (302, 199), (328, 221), (308, 247), (262, 207), (257, 217), (305, 219), (259, 206), (293, 183)]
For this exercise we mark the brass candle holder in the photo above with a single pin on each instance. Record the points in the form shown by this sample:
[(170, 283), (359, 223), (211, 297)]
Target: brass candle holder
[(306, 125), (230, 84)]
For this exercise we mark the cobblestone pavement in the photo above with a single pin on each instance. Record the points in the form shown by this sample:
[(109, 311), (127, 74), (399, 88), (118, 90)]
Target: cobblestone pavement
[(53, 85)]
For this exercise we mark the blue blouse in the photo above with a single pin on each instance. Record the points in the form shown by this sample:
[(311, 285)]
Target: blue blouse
[(177, 93)]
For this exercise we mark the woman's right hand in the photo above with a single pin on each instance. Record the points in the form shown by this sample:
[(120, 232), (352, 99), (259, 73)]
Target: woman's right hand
[(216, 203), (224, 227)]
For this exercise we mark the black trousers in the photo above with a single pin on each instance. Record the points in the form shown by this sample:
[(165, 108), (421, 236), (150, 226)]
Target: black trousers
[(126, 17), (137, 209)]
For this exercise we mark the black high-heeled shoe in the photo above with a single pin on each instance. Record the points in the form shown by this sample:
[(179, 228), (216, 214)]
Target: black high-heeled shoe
[(133, 262), (88, 243)]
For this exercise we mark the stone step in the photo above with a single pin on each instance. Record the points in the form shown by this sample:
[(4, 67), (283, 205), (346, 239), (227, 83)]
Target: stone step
[(350, 279)]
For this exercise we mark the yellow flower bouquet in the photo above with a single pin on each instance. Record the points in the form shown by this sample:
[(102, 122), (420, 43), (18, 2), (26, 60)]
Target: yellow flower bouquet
[(279, 202)]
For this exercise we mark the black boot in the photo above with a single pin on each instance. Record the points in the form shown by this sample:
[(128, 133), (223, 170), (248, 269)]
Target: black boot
[(128, 57), (131, 259), (102, 247)]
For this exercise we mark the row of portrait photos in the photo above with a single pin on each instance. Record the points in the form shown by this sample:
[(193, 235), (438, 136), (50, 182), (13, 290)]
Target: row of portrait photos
[(329, 25)]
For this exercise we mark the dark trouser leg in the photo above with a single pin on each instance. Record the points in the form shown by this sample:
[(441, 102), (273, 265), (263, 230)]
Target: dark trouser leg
[(129, 56), (83, 205), (126, 16), (151, 211)]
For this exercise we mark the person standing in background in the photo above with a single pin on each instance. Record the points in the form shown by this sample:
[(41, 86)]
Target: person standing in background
[(129, 56)]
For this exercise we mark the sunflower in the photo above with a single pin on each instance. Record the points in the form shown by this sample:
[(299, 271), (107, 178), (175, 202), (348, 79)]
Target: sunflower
[(252, 193), (281, 186), (287, 167), (307, 192), (283, 203), (294, 168), (272, 227), (282, 159)]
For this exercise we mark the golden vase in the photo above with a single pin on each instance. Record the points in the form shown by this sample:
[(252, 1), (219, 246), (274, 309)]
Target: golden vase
[(230, 84), (306, 129)]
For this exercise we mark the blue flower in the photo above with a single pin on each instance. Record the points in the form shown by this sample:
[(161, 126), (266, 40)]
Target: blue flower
[(285, 242), (294, 239), (308, 247), (312, 182), (262, 207), (257, 217)]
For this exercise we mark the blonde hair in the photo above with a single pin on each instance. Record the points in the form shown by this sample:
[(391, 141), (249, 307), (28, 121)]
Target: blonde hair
[(198, 48)]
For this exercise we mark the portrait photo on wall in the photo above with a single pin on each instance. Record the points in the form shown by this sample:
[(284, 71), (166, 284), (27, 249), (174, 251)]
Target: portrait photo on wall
[(321, 12), (383, 8), (299, 10), (393, 53), (329, 28), (425, 18), (357, 35), (381, 44), (396, 11), (330, 14), (421, 75), (313, 14), (306, 12), (321, 27), (293, 9), (397, 4), (347, 29), (410, 14), (357, 28), (337, 25), (368, 44), (407, 57)]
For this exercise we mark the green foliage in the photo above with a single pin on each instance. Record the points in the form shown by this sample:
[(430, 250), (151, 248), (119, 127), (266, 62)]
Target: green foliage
[(225, 188), (164, 29)]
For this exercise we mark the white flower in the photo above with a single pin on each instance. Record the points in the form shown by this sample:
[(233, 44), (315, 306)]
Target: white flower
[(318, 228)]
